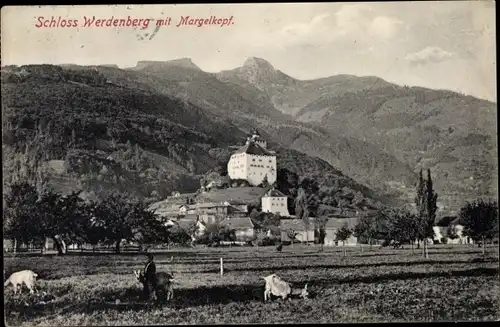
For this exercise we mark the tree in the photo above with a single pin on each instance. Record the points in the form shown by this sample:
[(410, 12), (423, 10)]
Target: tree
[(302, 210), (192, 231), (366, 229), (119, 224), (320, 223), (96, 231), (292, 235), (313, 202), (480, 220), (287, 182), (260, 236), (404, 227), (426, 204), (358, 199), (342, 235), (265, 182), (213, 234), (382, 224), (53, 220), (179, 236), (20, 214), (75, 221), (420, 201), (146, 227)]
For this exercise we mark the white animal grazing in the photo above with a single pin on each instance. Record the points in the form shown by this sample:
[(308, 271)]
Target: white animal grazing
[(278, 287), (19, 278)]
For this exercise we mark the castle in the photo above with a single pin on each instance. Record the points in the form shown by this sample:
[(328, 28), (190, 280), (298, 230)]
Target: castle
[(253, 162)]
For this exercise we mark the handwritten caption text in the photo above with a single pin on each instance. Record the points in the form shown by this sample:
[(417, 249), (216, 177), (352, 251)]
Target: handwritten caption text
[(143, 23)]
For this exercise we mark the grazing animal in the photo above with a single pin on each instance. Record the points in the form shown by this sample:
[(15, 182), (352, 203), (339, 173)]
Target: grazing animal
[(278, 287), (164, 281), (19, 278)]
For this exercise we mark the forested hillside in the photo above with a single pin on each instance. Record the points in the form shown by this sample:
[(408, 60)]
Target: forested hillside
[(79, 128), (452, 134)]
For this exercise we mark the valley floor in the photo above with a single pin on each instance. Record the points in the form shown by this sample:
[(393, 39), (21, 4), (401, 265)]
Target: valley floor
[(381, 285)]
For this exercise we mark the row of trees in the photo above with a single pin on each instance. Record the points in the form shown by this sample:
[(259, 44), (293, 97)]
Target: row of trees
[(479, 219), (30, 217)]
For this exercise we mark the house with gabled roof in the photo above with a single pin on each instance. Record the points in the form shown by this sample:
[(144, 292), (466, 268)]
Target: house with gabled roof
[(186, 224), (333, 224), (276, 202), (212, 212), (243, 228), (297, 226)]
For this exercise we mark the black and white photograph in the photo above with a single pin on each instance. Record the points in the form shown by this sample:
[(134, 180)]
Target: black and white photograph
[(254, 163)]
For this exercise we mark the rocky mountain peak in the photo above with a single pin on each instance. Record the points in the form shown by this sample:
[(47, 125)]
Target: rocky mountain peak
[(258, 64)]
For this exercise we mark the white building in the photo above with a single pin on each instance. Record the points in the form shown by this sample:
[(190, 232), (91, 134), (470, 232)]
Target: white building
[(442, 234), (253, 162), (276, 202)]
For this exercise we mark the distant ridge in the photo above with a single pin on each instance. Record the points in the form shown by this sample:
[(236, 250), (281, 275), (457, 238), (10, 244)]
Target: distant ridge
[(182, 62)]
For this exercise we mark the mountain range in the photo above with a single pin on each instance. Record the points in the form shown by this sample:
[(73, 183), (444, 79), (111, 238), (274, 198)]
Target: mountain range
[(377, 133)]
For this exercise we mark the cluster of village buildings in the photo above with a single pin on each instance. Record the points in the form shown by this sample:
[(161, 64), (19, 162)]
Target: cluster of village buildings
[(254, 163), (236, 216)]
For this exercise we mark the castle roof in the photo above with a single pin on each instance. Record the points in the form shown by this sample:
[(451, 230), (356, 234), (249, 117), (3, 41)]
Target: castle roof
[(254, 148)]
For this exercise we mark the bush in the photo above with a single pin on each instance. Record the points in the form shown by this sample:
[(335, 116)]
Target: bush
[(444, 240)]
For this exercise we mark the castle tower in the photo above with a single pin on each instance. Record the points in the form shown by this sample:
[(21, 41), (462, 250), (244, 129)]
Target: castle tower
[(257, 139)]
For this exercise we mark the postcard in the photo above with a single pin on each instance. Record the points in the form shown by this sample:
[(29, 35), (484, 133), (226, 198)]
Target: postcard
[(250, 163)]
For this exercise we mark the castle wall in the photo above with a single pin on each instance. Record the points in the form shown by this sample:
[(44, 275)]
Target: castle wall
[(260, 166), (237, 166)]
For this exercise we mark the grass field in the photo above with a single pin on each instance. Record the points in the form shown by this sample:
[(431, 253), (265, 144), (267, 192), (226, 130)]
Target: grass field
[(455, 283)]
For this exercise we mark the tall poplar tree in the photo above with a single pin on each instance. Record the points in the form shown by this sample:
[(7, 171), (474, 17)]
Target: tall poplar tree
[(426, 203), (302, 210)]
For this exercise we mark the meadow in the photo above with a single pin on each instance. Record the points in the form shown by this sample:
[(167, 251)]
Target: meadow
[(381, 285)]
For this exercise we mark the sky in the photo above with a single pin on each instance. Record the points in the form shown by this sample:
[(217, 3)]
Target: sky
[(434, 44)]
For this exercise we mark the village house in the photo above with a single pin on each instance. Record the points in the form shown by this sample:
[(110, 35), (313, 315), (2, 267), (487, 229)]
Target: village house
[(211, 212), (243, 228), (187, 223), (303, 234), (175, 206), (275, 202), (186, 209), (442, 235), (253, 162), (333, 224)]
